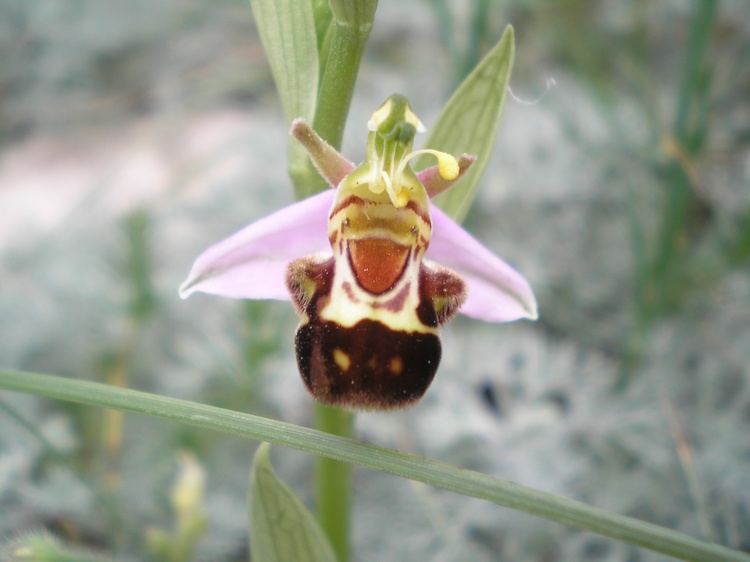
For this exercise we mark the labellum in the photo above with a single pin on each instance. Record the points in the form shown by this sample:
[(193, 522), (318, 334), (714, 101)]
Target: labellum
[(368, 337)]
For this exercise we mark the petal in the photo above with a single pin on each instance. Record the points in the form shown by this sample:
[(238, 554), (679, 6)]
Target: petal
[(496, 291), (326, 159), (251, 264)]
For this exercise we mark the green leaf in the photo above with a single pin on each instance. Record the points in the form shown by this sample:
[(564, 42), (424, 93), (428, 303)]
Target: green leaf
[(323, 17), (282, 529), (287, 30), (469, 121), (434, 473)]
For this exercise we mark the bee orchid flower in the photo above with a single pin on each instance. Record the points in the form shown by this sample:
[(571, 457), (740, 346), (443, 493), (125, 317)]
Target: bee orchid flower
[(372, 267)]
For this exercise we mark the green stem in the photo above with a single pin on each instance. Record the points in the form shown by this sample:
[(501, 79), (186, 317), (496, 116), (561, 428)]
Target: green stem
[(333, 482), (345, 49), (434, 473), (346, 43)]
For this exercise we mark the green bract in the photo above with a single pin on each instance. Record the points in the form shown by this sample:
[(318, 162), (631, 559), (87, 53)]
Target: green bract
[(469, 122), (282, 529)]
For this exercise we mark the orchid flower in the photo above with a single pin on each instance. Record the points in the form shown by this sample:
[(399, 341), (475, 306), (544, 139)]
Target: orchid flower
[(372, 267)]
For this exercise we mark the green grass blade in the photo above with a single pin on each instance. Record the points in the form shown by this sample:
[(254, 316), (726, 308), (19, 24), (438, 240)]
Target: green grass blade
[(282, 529), (469, 123), (441, 475)]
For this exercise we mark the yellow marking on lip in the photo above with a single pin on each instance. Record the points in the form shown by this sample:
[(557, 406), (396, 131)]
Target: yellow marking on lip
[(396, 366), (342, 360), (356, 219)]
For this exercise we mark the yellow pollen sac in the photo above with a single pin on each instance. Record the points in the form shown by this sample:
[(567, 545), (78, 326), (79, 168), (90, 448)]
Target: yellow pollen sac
[(391, 189), (448, 167), (398, 193)]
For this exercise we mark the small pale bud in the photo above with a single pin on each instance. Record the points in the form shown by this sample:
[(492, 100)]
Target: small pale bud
[(187, 493)]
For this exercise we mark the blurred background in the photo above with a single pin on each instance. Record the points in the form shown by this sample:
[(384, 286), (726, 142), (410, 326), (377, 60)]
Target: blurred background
[(135, 134)]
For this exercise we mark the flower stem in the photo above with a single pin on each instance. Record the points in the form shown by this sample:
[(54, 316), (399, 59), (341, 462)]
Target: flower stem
[(347, 44), (350, 29), (337, 83), (333, 482)]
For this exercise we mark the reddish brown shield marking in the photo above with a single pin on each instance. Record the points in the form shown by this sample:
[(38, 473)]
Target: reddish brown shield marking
[(377, 263)]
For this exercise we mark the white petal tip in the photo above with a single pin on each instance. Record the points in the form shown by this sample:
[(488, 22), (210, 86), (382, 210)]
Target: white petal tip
[(530, 307), (188, 287), (185, 291)]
